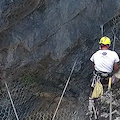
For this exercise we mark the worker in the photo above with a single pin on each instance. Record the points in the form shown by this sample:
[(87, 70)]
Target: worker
[(104, 62)]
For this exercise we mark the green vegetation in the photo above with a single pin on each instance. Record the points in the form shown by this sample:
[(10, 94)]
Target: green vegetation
[(28, 78)]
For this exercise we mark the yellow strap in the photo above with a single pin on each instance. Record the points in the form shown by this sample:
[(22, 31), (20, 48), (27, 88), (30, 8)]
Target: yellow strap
[(109, 84)]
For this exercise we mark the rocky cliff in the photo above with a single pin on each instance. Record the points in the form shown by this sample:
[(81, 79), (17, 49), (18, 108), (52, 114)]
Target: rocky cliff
[(39, 43)]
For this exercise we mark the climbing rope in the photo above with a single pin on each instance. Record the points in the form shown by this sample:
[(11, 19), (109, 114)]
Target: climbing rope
[(110, 95), (102, 29), (11, 101), (10, 96), (64, 89), (110, 116), (114, 42)]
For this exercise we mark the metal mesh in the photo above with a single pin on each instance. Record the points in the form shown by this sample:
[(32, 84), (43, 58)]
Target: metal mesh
[(28, 105), (63, 114)]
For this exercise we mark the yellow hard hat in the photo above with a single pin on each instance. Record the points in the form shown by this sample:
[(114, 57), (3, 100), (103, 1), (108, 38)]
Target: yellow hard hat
[(105, 41)]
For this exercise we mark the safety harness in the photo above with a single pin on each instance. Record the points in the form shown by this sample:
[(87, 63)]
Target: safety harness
[(98, 78)]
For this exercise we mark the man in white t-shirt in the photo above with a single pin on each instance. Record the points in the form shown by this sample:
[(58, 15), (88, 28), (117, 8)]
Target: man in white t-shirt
[(104, 61)]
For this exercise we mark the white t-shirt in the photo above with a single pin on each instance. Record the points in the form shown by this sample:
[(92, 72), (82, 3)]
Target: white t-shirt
[(104, 60)]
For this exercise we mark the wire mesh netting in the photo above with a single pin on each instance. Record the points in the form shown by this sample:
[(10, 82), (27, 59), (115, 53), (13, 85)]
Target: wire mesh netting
[(30, 106), (63, 114)]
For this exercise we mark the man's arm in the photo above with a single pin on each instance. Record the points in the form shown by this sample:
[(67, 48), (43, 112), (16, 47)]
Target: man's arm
[(116, 67), (92, 65)]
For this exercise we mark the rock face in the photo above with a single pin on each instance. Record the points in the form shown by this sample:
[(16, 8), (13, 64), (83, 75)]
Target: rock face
[(40, 41)]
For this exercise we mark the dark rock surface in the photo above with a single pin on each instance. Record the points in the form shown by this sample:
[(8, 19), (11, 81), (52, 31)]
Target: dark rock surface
[(39, 43)]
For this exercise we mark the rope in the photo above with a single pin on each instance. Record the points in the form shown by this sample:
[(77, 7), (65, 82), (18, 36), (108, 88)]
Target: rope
[(4, 74), (64, 90), (11, 101), (95, 112), (102, 29), (114, 42), (110, 117)]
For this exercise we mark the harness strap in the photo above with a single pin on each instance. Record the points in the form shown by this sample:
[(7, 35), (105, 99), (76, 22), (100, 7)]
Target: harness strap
[(96, 78), (103, 74)]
